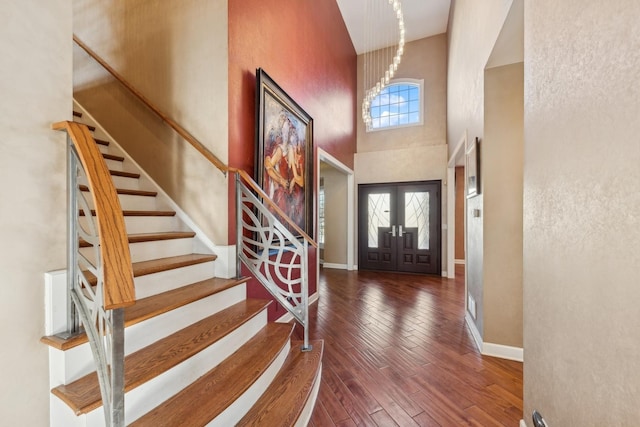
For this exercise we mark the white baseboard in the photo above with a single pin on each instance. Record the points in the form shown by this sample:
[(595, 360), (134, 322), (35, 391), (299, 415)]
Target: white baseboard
[(459, 261), (445, 274), (490, 349), (475, 333), (503, 351), (523, 424), (288, 317), (335, 266)]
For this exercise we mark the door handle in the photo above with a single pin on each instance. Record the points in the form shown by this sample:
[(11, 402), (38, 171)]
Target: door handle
[(393, 231), (399, 231)]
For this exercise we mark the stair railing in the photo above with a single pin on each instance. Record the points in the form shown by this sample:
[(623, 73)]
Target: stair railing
[(265, 240), (99, 276)]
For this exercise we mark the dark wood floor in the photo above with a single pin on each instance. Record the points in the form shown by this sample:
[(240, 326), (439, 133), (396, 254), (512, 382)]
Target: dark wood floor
[(398, 353)]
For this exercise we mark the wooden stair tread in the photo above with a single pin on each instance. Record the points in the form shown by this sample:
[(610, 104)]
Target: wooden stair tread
[(113, 157), (283, 402), (155, 305), (151, 237), (211, 394), (83, 395), (101, 142), (124, 174), (126, 191), (143, 268), (163, 264), (139, 213)]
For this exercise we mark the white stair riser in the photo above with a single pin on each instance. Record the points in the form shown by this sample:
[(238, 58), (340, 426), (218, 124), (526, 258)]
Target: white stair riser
[(153, 224), (126, 182), (243, 403), (68, 366), (129, 202), (145, 251), (141, 400), (307, 411), (146, 333), (152, 284), (149, 224), (114, 165), (137, 203), (61, 415)]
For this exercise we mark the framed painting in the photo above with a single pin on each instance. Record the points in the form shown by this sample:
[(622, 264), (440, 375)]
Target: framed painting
[(472, 168), (284, 152)]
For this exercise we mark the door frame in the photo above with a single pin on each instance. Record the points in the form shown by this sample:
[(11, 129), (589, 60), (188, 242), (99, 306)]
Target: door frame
[(440, 227), (325, 157), (456, 159)]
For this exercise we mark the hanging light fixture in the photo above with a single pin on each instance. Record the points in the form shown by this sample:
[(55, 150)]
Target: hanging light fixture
[(380, 64)]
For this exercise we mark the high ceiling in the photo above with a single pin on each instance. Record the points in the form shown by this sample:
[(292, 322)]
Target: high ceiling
[(422, 18)]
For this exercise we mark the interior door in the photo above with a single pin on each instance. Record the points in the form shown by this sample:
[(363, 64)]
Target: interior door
[(399, 227)]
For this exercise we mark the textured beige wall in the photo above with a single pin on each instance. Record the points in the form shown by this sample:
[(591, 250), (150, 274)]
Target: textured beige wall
[(581, 212), (35, 83), (176, 54), (423, 59), (335, 196), (474, 27), (502, 155)]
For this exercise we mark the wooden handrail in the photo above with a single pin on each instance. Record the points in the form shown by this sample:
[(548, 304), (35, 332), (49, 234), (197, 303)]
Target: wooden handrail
[(194, 142), (119, 289)]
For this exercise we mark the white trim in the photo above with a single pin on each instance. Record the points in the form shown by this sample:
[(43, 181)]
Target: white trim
[(477, 338), (55, 305), (523, 424), (503, 351), (335, 266), (459, 261), (288, 317), (323, 156), (490, 349), (451, 203), (444, 274)]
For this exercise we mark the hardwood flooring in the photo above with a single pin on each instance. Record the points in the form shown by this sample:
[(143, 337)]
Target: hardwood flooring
[(398, 353)]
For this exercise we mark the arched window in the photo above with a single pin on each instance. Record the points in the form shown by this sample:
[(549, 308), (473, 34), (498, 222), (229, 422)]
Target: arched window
[(398, 105)]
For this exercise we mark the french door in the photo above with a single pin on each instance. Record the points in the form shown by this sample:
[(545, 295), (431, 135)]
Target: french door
[(399, 227)]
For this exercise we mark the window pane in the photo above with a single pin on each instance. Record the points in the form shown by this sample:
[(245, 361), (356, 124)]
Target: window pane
[(414, 94), (378, 216), (416, 215), (398, 104)]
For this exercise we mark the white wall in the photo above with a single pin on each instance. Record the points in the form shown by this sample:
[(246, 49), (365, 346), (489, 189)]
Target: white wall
[(582, 212), (35, 83)]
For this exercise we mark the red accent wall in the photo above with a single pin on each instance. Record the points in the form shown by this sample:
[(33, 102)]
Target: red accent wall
[(305, 47)]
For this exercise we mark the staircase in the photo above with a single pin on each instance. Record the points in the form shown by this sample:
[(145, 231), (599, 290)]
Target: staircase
[(198, 352)]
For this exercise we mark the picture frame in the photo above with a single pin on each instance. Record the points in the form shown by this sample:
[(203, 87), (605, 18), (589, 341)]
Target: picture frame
[(472, 168), (284, 152)]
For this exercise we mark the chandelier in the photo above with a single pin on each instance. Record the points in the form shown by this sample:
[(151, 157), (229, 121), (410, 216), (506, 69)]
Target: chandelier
[(380, 63)]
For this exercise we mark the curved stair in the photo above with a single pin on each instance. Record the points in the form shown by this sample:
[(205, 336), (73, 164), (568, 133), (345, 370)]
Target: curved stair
[(198, 352)]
